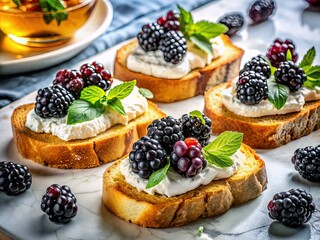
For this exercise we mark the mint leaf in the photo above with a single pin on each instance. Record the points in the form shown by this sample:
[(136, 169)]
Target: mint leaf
[(121, 91), (277, 93), (53, 6), (82, 111), (226, 144), (157, 176), (202, 42), (17, 2), (272, 68), (289, 55), (313, 72), (198, 114), (220, 161), (56, 4), (312, 84), (116, 105), (308, 58), (146, 93), (208, 29), (93, 94), (185, 19), (200, 230)]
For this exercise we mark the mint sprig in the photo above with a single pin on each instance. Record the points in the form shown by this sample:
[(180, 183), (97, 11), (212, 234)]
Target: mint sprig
[(200, 32), (53, 6), (198, 114), (277, 93), (312, 72), (17, 2), (157, 176), (218, 152), (308, 58), (94, 101)]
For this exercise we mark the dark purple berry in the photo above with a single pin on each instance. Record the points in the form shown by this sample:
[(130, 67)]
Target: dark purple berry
[(307, 162), (277, 52), (292, 208), (261, 10), (174, 46), (95, 74), (234, 21), (150, 36), (59, 203), (259, 65), (70, 80), (290, 75), (147, 156), (14, 178)]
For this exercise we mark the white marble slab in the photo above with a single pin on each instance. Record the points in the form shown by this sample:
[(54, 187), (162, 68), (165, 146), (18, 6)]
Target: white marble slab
[(22, 218)]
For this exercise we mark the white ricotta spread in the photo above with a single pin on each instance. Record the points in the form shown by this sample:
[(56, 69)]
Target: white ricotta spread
[(152, 63), (294, 103), (135, 105), (175, 184)]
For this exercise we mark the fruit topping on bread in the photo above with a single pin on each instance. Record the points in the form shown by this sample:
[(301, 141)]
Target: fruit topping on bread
[(79, 118), (177, 57), (170, 177), (273, 100)]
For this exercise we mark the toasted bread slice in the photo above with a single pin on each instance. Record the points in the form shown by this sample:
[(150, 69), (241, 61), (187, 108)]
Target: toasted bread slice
[(159, 211), (108, 146), (261, 132), (194, 83)]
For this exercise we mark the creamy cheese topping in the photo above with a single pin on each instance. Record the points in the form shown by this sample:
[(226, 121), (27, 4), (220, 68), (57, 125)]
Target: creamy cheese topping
[(152, 63), (294, 103), (135, 105), (175, 184)]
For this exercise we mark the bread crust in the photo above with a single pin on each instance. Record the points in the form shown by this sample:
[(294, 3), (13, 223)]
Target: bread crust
[(194, 83), (261, 132), (50, 150), (158, 211)]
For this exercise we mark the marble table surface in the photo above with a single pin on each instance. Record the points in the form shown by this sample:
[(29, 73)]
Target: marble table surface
[(21, 217)]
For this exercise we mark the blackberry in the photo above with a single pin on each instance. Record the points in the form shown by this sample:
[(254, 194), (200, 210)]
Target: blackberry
[(259, 65), (278, 50), (291, 208), (252, 88), (261, 10), (70, 80), (234, 21), (59, 203), (95, 74), (147, 156), (186, 157), (307, 162), (291, 75), (14, 178), (193, 127), (150, 36), (172, 25), (174, 46), (167, 131), (53, 101)]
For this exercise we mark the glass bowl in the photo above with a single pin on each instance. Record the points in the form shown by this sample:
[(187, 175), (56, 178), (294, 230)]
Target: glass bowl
[(30, 26)]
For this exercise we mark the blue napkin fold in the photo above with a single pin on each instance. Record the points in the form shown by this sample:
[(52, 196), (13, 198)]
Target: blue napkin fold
[(129, 16)]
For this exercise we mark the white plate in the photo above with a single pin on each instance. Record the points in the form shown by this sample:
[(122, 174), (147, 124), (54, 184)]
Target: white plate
[(15, 58)]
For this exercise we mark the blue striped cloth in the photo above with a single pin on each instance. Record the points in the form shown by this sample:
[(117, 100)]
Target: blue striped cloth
[(129, 16)]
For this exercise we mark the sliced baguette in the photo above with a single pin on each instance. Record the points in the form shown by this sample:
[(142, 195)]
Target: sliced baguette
[(159, 211), (108, 146), (194, 83), (261, 132)]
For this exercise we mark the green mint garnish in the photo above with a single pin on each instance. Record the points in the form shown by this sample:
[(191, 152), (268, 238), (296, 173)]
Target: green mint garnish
[(146, 93), (289, 55), (308, 58), (198, 114), (200, 230), (277, 93), (93, 102), (157, 176), (17, 2), (200, 32), (82, 111), (53, 6), (219, 151)]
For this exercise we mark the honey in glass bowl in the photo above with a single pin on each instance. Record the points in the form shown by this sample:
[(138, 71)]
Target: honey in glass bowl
[(29, 24)]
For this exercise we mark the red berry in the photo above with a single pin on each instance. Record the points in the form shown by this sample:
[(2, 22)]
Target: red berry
[(173, 15), (161, 21), (191, 142)]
